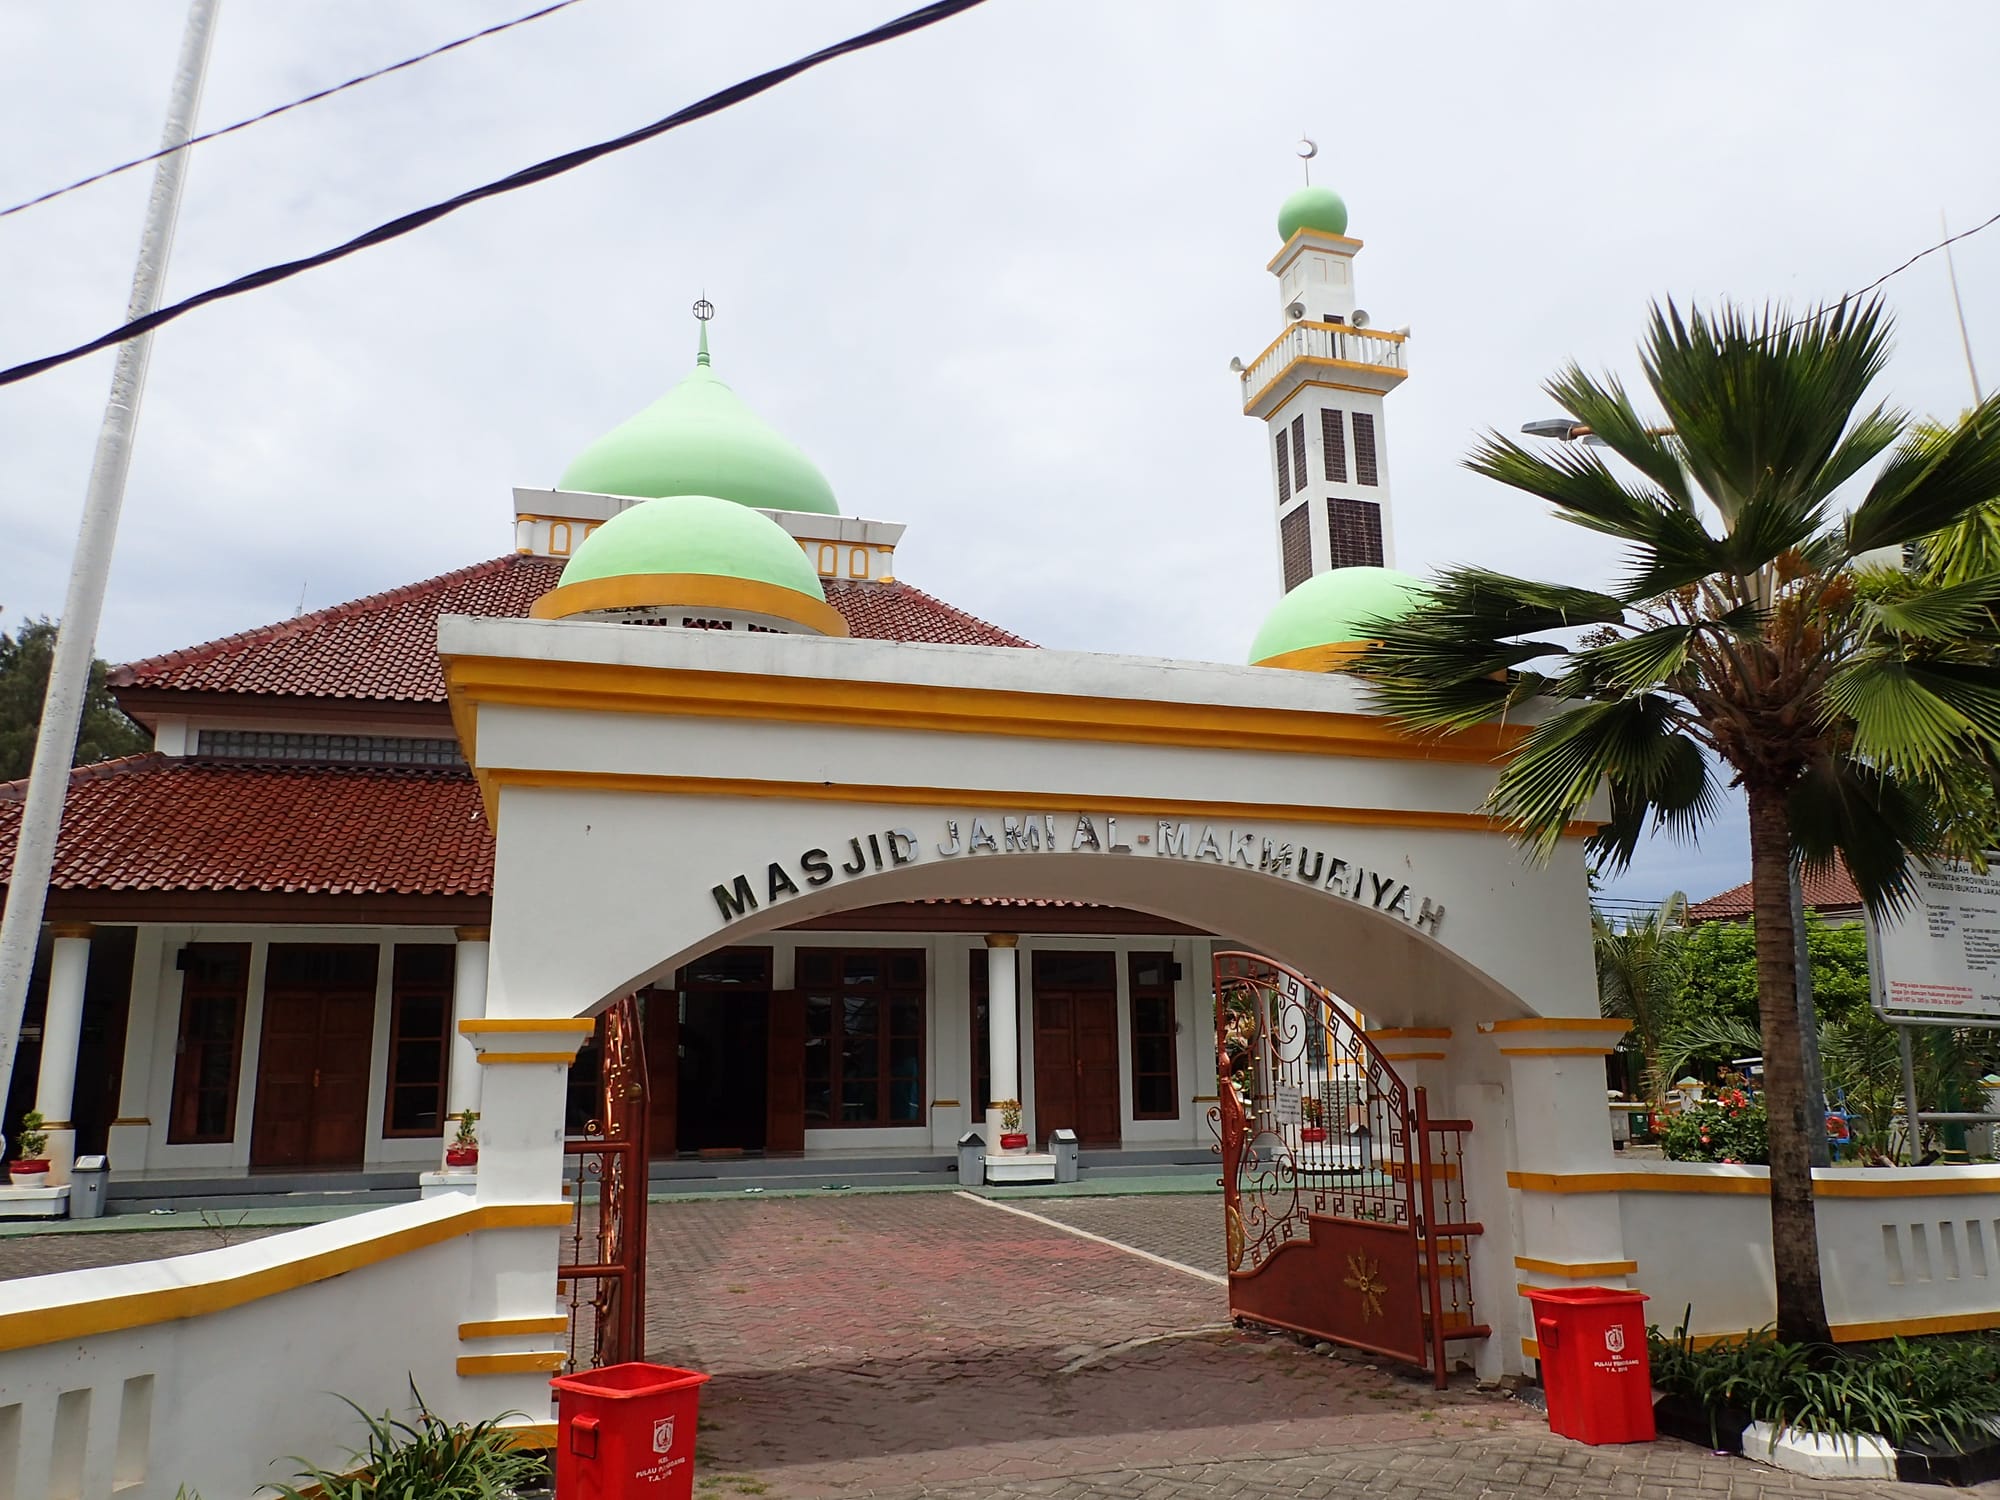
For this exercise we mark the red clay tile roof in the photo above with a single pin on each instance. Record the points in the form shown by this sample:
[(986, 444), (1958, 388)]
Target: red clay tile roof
[(149, 822), (384, 647), (1825, 890)]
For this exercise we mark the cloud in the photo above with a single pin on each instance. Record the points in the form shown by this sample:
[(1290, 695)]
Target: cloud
[(990, 277)]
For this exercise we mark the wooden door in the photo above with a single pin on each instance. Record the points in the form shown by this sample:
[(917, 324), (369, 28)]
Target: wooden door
[(663, 1070), (314, 1060), (1076, 1046), (785, 1073)]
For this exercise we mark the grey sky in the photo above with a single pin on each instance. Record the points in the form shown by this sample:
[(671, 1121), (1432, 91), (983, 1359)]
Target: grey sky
[(990, 277)]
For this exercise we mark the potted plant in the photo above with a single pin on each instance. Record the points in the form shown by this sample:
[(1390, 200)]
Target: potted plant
[(464, 1148), (1313, 1113), (1011, 1137), (29, 1168)]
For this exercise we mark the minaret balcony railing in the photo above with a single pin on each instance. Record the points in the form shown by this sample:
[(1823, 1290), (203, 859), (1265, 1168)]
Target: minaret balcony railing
[(1332, 342)]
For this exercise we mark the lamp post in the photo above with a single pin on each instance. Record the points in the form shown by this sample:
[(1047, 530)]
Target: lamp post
[(1569, 430)]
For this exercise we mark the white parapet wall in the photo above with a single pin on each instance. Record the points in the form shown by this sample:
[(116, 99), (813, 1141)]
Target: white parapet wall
[(210, 1370), (1904, 1250)]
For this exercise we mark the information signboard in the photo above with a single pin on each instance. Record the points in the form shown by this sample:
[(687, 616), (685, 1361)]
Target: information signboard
[(1941, 956)]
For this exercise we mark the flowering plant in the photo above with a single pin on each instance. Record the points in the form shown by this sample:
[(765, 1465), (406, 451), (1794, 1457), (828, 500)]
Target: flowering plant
[(1731, 1127)]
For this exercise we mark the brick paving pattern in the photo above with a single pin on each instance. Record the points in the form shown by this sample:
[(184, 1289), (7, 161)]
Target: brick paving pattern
[(41, 1254), (1186, 1228)]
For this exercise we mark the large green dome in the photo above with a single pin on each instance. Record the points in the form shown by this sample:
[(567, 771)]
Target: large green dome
[(1321, 620), (1312, 208), (696, 552), (700, 439)]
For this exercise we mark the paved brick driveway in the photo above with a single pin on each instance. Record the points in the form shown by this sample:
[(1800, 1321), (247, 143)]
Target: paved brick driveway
[(927, 1344)]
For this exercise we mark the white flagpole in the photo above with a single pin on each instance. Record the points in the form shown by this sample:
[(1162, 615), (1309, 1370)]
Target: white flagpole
[(97, 532)]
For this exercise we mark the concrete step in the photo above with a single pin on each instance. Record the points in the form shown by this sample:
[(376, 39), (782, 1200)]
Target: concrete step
[(1021, 1166)]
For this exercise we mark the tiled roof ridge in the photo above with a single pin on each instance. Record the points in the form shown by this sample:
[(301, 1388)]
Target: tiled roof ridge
[(97, 770), (1831, 886), (964, 614), (128, 673)]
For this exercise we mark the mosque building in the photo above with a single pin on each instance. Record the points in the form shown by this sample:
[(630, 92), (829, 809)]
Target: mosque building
[(262, 934)]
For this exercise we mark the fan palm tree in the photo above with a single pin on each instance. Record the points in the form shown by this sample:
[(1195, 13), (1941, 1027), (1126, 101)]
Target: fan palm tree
[(1746, 642), (1641, 971)]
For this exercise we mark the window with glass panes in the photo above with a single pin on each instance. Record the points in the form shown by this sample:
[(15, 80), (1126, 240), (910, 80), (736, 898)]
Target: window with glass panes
[(864, 1036), (209, 1050), (1155, 1075), (419, 1018)]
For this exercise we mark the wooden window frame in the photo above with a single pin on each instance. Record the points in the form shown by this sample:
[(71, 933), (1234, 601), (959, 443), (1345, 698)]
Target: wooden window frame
[(1134, 993), (1366, 470), (1295, 546), (884, 995), (1333, 444), (1284, 467), (1354, 533), (1301, 474), (182, 1109), (400, 990)]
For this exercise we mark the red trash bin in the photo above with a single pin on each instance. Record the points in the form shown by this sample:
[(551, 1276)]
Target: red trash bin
[(1595, 1371), (626, 1432)]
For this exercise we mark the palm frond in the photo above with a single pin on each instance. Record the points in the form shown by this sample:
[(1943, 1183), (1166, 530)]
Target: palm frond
[(1945, 612), (1710, 1039), (1602, 405), (1845, 809), (1629, 664), (1633, 742), (1935, 478), (1914, 715)]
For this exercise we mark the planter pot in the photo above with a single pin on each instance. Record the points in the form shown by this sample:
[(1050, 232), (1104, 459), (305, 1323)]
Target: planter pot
[(1013, 1141), (461, 1156), (1931, 1463), (28, 1172), (1312, 1134), (1718, 1428)]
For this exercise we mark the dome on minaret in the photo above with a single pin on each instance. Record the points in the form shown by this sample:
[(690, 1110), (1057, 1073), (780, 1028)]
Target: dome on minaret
[(700, 439), (1319, 625), (696, 555), (1312, 207)]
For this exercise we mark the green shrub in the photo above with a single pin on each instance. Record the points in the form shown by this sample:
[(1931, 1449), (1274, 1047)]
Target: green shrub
[(424, 1459), (1729, 1128), (1936, 1389)]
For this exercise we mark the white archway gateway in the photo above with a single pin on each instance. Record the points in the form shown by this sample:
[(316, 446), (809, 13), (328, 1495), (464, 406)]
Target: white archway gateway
[(657, 795)]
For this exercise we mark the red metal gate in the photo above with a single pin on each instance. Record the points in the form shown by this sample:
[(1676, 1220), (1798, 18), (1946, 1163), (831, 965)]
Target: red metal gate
[(1345, 1201), (604, 1176)]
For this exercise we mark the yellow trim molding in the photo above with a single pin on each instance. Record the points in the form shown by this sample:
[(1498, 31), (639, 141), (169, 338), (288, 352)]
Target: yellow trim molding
[(607, 687), (532, 1435), (1859, 1333), (1325, 362), (473, 1027), (34, 1326), (500, 1328), (1410, 1034), (693, 591), (71, 929), (1413, 1057), (511, 1364), (1875, 1185), (1557, 1051), (1576, 1270), (131, 1120), (1329, 657), (1557, 1023), (502, 1059), (944, 1104), (959, 797), (1318, 235)]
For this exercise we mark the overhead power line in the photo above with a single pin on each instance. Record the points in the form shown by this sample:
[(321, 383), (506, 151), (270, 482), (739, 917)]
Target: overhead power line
[(273, 113), (555, 166)]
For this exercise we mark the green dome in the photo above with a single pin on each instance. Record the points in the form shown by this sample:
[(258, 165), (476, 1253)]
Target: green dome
[(700, 439), (1330, 608), (698, 534), (1312, 208)]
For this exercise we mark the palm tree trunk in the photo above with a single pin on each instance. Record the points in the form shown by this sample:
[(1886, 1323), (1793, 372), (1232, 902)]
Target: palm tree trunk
[(1794, 1232)]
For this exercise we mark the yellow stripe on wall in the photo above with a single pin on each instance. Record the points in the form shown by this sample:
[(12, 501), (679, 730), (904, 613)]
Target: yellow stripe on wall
[(500, 1328), (511, 1364)]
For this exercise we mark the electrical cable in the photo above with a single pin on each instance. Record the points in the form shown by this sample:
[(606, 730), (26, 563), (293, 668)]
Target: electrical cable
[(555, 166), (273, 113)]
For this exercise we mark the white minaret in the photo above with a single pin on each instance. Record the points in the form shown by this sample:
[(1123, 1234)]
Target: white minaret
[(1318, 389)]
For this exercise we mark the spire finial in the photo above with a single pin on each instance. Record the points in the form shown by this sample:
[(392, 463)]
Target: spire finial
[(1308, 148), (703, 311)]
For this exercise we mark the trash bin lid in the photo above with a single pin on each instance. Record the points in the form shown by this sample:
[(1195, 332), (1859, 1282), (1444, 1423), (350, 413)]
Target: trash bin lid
[(90, 1164), (623, 1382), (1582, 1296)]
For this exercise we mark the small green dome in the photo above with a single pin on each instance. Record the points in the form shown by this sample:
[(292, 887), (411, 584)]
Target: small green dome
[(697, 534), (1312, 208), (700, 439), (1330, 608)]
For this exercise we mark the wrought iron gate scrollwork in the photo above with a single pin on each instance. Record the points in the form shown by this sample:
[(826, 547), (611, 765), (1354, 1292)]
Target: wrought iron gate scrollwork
[(1344, 1202), (605, 1175)]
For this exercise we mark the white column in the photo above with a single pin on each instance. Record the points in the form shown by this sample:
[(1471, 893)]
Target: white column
[(62, 1030), (468, 1003), (1003, 1028)]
